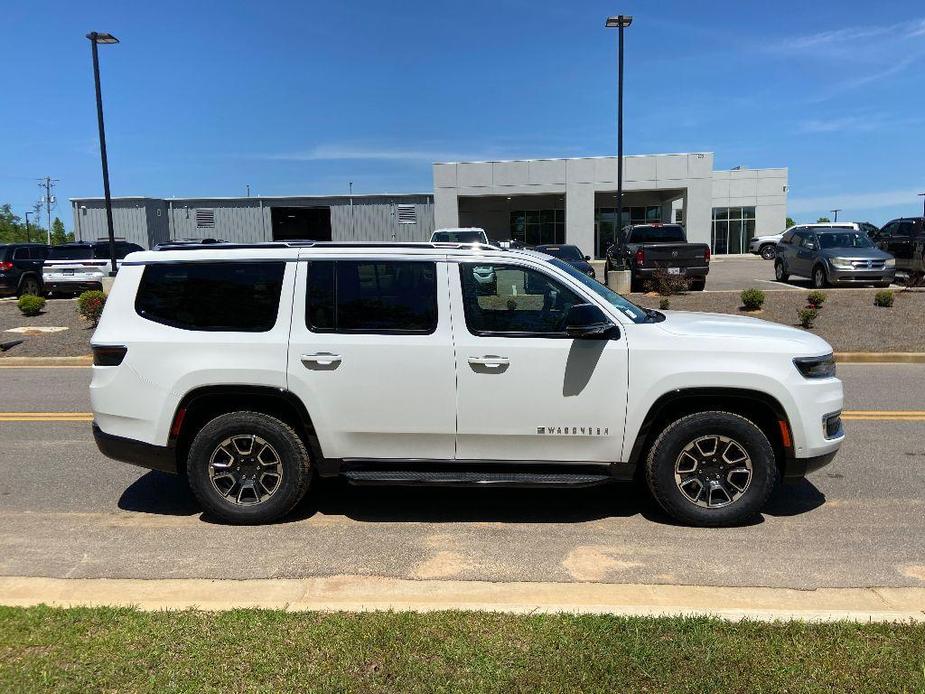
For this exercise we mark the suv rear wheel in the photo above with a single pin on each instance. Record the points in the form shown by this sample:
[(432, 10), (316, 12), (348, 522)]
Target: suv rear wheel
[(248, 468), (30, 285), (711, 469)]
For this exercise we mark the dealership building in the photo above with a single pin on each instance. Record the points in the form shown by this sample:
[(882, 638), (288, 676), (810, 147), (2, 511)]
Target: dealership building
[(533, 201)]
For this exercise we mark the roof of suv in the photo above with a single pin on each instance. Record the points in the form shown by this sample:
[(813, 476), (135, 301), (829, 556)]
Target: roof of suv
[(292, 250)]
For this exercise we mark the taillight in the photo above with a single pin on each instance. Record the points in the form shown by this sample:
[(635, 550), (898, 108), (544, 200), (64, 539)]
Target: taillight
[(6, 266), (108, 355), (706, 256), (640, 257)]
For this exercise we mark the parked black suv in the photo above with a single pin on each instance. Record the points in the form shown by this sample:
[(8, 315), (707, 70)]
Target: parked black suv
[(905, 239), (21, 268), (569, 254)]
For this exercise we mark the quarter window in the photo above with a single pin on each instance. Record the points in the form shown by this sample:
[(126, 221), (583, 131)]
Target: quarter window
[(348, 296), (233, 297), (512, 301)]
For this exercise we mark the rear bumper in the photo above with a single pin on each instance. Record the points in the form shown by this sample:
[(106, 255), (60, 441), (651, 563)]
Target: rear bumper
[(80, 286), (146, 455), (693, 271), (7, 286)]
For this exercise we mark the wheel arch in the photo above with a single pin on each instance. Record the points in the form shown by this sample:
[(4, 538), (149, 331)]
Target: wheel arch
[(27, 274), (759, 407), (203, 404)]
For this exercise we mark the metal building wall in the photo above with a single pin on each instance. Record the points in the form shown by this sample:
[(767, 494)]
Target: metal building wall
[(376, 219), (129, 220), (237, 220)]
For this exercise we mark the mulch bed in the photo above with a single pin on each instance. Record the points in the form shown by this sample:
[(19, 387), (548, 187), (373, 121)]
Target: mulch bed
[(848, 319), (73, 342)]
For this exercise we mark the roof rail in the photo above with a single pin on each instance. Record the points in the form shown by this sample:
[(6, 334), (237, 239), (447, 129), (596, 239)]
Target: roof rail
[(171, 246)]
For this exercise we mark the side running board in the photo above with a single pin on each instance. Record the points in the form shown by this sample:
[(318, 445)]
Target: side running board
[(463, 478)]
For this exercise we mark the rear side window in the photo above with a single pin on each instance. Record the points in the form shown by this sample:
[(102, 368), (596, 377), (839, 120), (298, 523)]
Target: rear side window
[(349, 296), (70, 253), (232, 297)]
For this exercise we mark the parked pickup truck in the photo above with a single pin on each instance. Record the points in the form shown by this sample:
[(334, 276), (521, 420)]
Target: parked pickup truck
[(647, 248)]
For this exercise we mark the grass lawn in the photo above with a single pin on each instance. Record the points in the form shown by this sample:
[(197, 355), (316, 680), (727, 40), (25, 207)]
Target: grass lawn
[(102, 649)]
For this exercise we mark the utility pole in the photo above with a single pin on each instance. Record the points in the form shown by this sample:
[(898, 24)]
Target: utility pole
[(28, 232), (48, 184)]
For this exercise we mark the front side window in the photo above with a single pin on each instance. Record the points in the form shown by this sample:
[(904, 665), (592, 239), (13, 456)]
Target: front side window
[(508, 300), (212, 296), (369, 296)]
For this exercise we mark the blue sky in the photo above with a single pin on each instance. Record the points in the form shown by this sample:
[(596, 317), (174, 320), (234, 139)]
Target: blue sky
[(302, 97)]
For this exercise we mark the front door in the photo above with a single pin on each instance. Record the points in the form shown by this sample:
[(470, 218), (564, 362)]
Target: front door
[(527, 392), (371, 356)]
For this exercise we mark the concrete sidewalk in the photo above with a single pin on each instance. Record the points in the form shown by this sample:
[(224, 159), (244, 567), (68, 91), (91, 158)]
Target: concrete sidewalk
[(367, 593)]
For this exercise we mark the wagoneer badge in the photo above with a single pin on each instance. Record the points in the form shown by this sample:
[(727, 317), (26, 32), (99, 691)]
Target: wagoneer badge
[(574, 431)]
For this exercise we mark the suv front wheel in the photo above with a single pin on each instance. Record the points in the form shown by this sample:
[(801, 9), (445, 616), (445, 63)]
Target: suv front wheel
[(248, 468), (711, 469)]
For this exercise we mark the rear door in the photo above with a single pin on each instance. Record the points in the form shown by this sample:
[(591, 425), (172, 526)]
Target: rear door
[(371, 355)]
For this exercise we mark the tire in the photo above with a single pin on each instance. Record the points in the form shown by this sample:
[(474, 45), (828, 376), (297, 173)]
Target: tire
[(768, 251), (727, 501), (697, 285), (280, 444), (780, 273), (820, 281), (29, 285), (636, 286)]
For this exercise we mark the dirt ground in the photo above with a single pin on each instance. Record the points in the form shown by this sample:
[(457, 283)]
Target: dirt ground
[(848, 320), (75, 341)]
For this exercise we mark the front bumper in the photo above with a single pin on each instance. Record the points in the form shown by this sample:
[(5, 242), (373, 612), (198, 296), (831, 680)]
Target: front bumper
[(146, 455), (857, 276)]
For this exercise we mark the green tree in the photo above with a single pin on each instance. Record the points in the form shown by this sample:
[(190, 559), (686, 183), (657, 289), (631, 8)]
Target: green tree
[(823, 220), (12, 230), (790, 222), (58, 234)]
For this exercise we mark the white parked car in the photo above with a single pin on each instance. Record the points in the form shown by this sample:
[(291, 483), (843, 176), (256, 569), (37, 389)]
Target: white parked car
[(72, 268), (766, 246), (251, 369), (459, 235)]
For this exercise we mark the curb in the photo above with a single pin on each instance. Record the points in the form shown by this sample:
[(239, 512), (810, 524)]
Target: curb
[(374, 593), (26, 362), (880, 357)]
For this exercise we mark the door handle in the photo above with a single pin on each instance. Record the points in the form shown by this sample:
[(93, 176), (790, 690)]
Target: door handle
[(321, 359), (492, 362)]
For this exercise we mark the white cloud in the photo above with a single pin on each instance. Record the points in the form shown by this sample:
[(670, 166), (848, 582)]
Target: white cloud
[(858, 201), (847, 38)]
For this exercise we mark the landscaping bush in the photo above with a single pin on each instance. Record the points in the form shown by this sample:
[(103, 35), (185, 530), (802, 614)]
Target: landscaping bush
[(752, 299), (664, 304), (90, 305), (884, 298), (816, 299), (808, 316), (31, 305), (666, 284)]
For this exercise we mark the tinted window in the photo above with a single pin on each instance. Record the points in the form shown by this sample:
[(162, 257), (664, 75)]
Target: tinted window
[(564, 252), (663, 234), (70, 253), (507, 299), (458, 237), (22, 253), (238, 297), (350, 296), (905, 229), (844, 239)]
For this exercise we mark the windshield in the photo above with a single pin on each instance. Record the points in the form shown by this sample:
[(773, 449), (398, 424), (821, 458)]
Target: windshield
[(70, 253), (662, 234), (844, 239), (458, 237), (564, 252), (636, 314)]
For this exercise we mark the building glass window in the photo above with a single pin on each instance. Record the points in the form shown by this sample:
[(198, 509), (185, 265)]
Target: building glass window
[(732, 229), (535, 227), (606, 226)]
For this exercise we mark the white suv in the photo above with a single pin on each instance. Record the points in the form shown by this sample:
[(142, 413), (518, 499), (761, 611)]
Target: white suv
[(766, 246), (252, 369)]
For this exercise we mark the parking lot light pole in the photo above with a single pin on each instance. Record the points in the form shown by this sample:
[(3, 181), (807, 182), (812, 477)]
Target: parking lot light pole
[(619, 22), (97, 38)]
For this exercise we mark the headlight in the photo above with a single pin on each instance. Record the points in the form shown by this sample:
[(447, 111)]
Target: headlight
[(889, 262), (816, 367), (841, 263)]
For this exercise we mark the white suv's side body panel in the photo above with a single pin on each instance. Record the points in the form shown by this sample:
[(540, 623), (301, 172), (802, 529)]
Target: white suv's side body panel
[(138, 399), (540, 399), (373, 395)]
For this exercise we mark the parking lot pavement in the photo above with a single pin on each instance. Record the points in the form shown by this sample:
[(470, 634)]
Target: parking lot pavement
[(68, 512)]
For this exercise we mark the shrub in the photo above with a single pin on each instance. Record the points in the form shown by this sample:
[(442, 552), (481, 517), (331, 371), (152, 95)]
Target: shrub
[(884, 298), (664, 304), (90, 305), (752, 299), (666, 284), (808, 315), (816, 299), (31, 305)]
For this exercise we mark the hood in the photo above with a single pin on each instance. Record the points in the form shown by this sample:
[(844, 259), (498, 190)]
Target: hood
[(724, 326)]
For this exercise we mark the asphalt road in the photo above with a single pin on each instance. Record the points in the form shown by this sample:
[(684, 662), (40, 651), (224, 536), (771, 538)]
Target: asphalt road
[(65, 511)]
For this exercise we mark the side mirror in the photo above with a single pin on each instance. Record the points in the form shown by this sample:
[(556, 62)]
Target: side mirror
[(587, 258), (588, 322), (811, 246)]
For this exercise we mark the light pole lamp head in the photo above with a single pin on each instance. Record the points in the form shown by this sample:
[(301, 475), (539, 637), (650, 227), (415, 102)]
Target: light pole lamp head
[(621, 21), (102, 37)]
